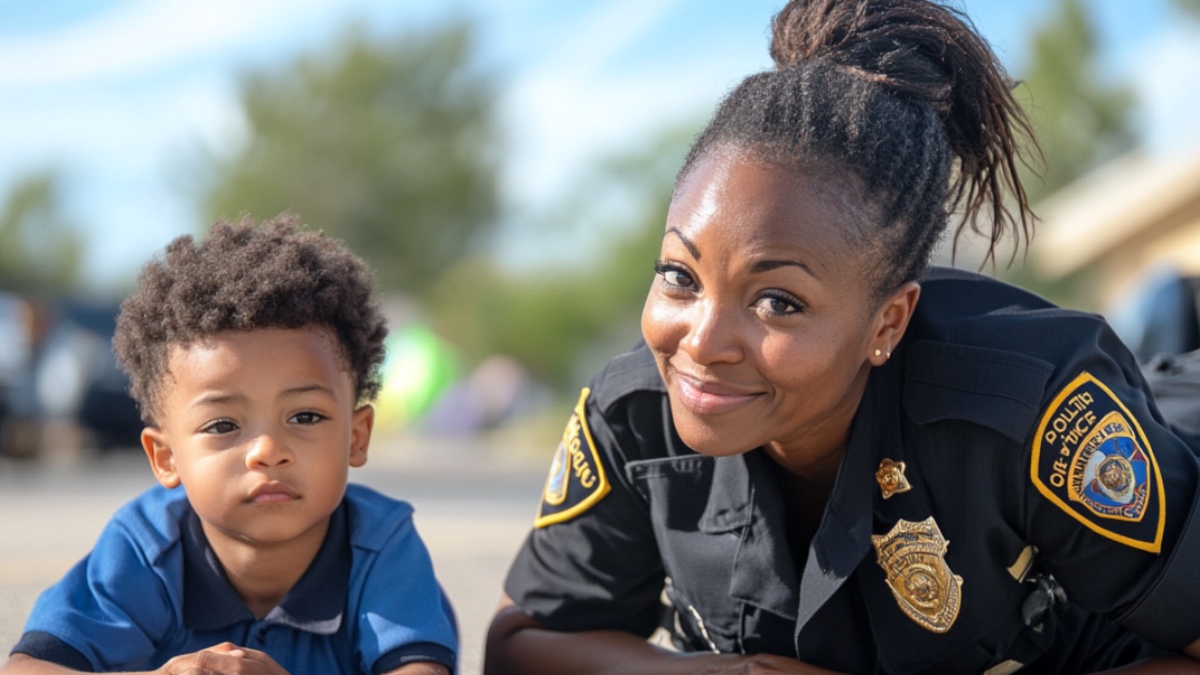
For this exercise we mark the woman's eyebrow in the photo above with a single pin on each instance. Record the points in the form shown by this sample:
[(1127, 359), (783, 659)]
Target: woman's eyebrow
[(768, 265), (686, 243)]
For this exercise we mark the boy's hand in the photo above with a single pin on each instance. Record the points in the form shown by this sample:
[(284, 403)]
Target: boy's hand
[(223, 659)]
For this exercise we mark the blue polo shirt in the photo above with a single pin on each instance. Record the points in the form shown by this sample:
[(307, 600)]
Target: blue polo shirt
[(152, 588)]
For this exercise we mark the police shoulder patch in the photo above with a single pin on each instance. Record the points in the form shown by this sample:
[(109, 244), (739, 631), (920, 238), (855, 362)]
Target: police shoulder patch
[(1092, 459), (576, 479)]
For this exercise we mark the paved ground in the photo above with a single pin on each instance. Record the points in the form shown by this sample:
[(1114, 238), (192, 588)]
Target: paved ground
[(473, 506)]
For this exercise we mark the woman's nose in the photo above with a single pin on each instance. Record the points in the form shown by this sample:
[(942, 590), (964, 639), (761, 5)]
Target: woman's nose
[(712, 334)]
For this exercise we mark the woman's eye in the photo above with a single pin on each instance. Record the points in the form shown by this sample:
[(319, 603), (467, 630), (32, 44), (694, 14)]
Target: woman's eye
[(306, 418), (220, 427), (674, 275), (778, 305)]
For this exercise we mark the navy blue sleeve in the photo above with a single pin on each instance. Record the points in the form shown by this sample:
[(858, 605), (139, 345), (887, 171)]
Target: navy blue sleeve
[(1113, 509), (46, 647), (591, 561), (417, 652)]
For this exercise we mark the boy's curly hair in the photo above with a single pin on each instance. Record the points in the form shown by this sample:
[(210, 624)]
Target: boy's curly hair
[(243, 277)]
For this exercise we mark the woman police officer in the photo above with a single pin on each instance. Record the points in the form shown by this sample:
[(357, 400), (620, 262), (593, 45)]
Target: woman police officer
[(816, 472)]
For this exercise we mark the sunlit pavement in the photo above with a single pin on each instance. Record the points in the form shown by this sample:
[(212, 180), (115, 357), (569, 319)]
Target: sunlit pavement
[(473, 508)]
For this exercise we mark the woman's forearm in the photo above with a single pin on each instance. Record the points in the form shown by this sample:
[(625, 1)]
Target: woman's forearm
[(518, 645)]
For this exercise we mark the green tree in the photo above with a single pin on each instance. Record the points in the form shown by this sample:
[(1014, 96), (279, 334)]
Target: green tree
[(1080, 118), (40, 250), (387, 144), (1191, 7), (564, 320)]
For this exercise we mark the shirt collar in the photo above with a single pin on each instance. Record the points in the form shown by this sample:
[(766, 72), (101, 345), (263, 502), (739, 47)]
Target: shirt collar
[(844, 536), (316, 603), (745, 495)]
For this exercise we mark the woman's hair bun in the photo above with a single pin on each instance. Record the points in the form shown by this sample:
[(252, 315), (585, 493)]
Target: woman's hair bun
[(931, 53), (912, 46)]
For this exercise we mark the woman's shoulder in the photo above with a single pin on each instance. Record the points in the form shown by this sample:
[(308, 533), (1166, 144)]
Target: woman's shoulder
[(626, 375), (990, 352), (968, 310)]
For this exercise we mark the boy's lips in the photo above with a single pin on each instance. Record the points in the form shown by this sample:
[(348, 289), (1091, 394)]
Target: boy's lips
[(272, 493)]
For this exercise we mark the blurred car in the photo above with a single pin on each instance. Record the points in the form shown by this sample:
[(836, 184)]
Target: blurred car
[(17, 407), (60, 387), (77, 380), (1162, 316)]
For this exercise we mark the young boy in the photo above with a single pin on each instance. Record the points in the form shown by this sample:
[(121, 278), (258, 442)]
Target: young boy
[(253, 356)]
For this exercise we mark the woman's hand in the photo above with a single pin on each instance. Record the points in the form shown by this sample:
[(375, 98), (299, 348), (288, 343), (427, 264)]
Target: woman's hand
[(223, 659)]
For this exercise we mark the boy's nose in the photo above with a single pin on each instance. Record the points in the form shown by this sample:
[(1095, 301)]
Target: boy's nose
[(268, 451)]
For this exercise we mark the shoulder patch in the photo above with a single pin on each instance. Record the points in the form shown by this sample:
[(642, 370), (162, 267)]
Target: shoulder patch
[(576, 479), (1092, 459)]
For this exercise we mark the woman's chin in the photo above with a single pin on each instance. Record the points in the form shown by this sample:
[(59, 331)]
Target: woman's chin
[(712, 441)]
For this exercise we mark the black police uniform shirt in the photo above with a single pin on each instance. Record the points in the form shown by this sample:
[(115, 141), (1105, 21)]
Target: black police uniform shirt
[(1040, 513)]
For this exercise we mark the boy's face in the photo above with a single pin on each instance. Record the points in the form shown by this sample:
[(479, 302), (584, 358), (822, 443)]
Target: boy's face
[(260, 428)]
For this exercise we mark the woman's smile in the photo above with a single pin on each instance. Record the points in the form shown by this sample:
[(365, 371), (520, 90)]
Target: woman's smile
[(710, 397)]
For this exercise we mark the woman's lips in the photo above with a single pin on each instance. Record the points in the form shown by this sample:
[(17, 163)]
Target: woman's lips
[(707, 398)]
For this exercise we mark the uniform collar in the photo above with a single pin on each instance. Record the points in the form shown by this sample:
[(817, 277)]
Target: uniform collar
[(745, 495), (844, 537), (315, 604)]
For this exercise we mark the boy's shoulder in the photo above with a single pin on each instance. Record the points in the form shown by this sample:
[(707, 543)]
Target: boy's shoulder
[(375, 518), (152, 520)]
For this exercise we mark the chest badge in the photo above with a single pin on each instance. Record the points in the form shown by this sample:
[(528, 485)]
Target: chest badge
[(891, 478), (913, 555)]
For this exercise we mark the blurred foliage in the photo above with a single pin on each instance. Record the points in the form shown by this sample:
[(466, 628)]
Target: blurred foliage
[(564, 320), (40, 250), (387, 144), (1080, 117), (1191, 7)]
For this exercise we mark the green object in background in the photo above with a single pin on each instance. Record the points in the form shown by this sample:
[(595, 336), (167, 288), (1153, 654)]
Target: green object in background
[(419, 366)]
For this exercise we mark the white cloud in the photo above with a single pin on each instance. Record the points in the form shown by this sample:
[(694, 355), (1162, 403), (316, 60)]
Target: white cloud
[(144, 37)]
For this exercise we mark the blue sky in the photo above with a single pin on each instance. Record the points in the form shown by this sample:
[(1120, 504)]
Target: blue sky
[(119, 93)]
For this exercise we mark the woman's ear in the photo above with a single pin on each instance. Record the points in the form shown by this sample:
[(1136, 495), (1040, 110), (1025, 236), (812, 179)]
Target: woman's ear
[(891, 320), (162, 461), (360, 434)]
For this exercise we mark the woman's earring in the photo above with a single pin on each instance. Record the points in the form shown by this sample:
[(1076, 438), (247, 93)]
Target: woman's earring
[(879, 351)]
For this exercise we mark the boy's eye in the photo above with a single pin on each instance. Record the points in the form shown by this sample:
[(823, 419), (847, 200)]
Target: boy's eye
[(306, 418), (219, 427)]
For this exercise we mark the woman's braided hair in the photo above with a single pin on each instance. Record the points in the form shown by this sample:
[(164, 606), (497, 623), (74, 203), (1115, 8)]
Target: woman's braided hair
[(900, 98), (242, 277)]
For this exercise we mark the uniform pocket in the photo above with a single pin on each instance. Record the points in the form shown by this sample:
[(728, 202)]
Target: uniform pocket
[(698, 560)]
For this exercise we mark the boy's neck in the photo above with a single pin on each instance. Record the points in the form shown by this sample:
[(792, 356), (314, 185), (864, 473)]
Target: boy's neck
[(262, 574)]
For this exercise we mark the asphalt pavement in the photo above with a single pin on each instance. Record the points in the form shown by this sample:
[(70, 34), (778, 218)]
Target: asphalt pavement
[(474, 505)]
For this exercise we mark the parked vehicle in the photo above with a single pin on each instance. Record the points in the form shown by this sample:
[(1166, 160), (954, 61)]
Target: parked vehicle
[(68, 394)]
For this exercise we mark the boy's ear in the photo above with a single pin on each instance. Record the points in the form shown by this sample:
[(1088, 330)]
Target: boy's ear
[(158, 451), (360, 434)]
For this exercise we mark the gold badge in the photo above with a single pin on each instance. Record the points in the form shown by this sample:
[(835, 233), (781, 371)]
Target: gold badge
[(891, 478), (914, 557)]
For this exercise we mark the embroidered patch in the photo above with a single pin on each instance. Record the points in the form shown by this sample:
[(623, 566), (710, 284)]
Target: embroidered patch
[(1092, 459), (576, 479), (914, 557)]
